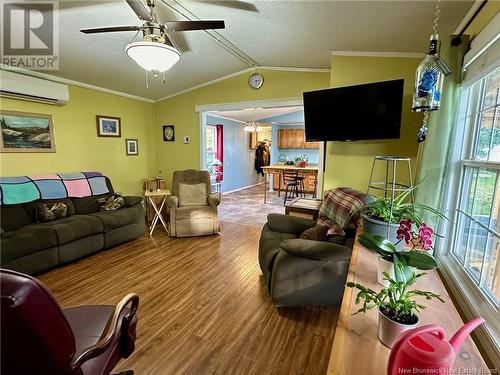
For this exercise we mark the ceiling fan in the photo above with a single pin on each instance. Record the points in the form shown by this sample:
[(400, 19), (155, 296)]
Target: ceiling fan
[(158, 51)]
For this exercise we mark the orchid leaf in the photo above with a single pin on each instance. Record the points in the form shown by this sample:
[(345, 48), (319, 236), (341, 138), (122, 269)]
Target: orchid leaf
[(419, 259), (377, 243)]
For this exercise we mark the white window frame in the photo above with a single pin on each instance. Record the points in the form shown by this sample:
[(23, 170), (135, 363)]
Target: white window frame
[(214, 152), (471, 300)]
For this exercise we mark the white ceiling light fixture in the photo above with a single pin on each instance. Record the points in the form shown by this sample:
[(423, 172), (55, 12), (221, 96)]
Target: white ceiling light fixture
[(158, 51), (153, 56), (253, 126)]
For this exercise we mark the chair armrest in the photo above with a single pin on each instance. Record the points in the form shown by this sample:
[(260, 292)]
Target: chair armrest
[(173, 201), (317, 250), (289, 224), (213, 200), (131, 200), (111, 331)]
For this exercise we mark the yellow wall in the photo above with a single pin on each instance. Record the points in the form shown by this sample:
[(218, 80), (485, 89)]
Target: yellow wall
[(349, 163), (78, 148), (180, 111), (485, 15)]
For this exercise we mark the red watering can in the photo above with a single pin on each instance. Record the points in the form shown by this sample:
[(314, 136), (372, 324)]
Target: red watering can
[(426, 348)]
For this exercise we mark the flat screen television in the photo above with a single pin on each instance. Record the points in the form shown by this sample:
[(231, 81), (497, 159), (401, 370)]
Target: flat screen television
[(352, 113)]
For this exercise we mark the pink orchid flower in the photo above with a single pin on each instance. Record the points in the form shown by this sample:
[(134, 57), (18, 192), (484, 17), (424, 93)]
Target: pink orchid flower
[(404, 231), (425, 233)]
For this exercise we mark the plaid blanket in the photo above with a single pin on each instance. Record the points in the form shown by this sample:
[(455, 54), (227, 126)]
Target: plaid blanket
[(343, 206)]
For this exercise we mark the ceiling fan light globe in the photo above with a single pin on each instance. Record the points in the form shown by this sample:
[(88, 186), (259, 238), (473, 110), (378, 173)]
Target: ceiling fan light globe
[(248, 128), (153, 56)]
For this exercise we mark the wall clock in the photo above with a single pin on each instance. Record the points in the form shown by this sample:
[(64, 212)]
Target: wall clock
[(256, 80), (168, 133)]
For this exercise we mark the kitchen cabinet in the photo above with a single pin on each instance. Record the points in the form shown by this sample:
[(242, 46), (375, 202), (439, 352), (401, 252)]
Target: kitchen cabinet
[(255, 137), (294, 139)]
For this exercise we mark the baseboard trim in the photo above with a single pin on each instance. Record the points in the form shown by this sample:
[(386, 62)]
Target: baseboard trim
[(242, 188)]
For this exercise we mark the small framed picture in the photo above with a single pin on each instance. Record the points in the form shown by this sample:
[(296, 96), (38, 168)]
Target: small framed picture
[(168, 133), (132, 146), (108, 126)]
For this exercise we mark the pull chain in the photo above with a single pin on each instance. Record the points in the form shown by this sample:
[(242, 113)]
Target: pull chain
[(436, 18)]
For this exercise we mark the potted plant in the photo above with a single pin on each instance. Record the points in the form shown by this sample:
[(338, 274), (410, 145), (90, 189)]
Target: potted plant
[(301, 160), (396, 262), (397, 310), (382, 217)]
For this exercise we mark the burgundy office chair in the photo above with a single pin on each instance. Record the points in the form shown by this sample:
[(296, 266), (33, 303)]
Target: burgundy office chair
[(38, 337)]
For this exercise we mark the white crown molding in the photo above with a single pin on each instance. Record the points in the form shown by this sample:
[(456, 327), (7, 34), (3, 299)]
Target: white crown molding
[(209, 114), (468, 16), (130, 96), (292, 69), (290, 102), (52, 78), (247, 70), (206, 83), (378, 54)]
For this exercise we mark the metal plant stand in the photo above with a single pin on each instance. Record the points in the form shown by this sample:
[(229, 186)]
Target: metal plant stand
[(390, 185)]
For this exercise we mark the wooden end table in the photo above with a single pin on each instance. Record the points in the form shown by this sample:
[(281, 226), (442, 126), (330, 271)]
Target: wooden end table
[(304, 206), (155, 193)]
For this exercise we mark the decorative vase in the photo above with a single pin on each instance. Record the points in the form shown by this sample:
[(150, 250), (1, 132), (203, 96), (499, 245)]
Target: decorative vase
[(384, 266), (388, 330), (379, 228)]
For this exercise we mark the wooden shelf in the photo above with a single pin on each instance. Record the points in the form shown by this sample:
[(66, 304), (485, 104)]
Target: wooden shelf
[(356, 348)]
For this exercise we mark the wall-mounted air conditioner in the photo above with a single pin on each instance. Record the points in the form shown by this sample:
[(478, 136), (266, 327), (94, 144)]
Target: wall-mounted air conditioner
[(24, 87)]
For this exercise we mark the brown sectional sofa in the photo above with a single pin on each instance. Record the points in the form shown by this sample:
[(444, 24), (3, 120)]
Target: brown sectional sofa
[(32, 248)]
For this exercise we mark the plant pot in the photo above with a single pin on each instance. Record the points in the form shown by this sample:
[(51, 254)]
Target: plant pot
[(384, 266), (389, 330), (379, 228)]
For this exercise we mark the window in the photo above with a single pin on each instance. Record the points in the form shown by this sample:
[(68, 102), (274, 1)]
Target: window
[(211, 145), (476, 245)]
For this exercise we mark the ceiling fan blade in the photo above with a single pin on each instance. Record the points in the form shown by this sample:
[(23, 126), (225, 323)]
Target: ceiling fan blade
[(110, 29), (235, 4), (193, 25), (139, 9), (179, 42)]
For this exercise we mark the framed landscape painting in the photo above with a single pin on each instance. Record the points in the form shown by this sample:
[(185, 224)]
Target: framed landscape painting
[(108, 126), (26, 132)]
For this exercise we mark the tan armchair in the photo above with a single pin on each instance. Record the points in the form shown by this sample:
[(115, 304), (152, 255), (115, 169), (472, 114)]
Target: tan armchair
[(192, 208)]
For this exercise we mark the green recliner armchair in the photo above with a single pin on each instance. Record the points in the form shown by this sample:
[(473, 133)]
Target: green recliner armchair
[(299, 271)]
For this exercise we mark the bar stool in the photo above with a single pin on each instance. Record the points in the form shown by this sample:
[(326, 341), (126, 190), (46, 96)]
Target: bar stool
[(292, 183)]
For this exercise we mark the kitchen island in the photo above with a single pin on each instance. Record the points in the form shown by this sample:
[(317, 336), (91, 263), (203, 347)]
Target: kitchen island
[(277, 169)]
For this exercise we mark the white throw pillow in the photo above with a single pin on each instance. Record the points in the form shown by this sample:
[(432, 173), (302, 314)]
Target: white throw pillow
[(192, 194)]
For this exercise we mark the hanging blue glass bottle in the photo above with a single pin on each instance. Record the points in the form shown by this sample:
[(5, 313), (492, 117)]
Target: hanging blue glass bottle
[(428, 80)]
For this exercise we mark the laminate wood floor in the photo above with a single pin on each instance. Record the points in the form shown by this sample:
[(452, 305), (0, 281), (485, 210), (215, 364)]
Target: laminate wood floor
[(203, 307)]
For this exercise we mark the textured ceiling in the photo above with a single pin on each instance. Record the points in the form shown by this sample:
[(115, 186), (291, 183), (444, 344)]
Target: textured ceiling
[(279, 33)]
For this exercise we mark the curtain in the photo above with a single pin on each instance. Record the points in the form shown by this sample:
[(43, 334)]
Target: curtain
[(434, 154), (220, 151)]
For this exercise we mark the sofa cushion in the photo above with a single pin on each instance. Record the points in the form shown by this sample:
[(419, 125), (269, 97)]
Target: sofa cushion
[(192, 194), (112, 203), (87, 205), (317, 233), (118, 218), (26, 241), (194, 213), (51, 211), (75, 227), (14, 217)]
